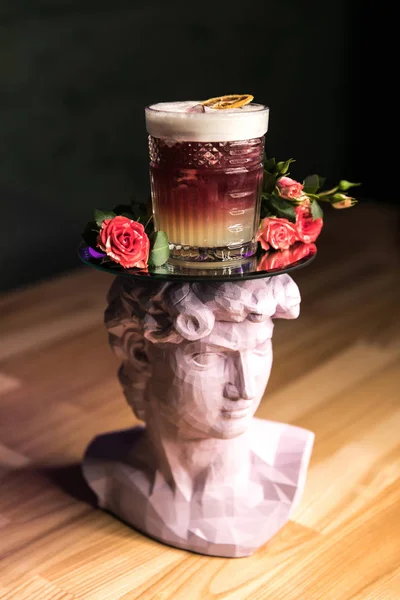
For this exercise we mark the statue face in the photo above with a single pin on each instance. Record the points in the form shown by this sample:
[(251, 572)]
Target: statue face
[(211, 387)]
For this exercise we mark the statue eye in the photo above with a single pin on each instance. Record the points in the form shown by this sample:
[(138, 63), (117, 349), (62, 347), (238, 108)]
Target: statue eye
[(206, 359)]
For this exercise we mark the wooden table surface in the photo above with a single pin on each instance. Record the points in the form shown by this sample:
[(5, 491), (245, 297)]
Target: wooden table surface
[(336, 372)]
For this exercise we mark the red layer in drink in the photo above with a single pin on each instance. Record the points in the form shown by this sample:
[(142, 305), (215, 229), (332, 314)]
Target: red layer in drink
[(207, 194)]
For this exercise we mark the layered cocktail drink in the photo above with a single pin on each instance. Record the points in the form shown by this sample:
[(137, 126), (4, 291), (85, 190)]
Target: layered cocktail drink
[(206, 177)]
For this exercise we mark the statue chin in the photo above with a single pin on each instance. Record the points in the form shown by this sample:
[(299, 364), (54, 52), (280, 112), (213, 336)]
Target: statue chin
[(231, 430), (190, 430)]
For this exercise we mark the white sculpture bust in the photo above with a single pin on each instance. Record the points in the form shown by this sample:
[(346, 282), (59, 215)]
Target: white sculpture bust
[(204, 474)]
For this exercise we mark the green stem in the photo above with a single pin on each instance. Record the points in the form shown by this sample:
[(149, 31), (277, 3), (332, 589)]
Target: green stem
[(148, 221), (327, 199), (329, 192)]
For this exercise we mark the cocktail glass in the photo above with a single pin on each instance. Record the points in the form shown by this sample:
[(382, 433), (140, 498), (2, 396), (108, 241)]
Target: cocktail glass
[(206, 176)]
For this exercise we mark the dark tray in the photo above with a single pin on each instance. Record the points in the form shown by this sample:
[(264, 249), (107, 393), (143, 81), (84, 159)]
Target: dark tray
[(263, 264)]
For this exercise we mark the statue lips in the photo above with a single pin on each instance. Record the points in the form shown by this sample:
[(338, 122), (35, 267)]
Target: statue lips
[(237, 409)]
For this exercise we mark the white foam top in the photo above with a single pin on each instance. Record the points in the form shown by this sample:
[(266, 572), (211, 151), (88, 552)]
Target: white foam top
[(190, 121)]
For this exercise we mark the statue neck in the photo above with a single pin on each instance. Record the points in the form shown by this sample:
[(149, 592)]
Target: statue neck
[(187, 463)]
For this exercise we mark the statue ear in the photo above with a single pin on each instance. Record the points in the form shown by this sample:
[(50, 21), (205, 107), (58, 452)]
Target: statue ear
[(287, 297), (134, 386)]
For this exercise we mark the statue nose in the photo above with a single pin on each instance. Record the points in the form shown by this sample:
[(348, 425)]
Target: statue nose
[(241, 384)]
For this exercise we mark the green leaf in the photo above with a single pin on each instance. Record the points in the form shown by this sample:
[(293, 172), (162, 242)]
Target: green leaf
[(280, 208), (142, 211), (312, 183), (269, 165), (90, 234), (346, 185), (283, 167), (100, 215), (159, 251), (124, 210), (316, 210), (129, 216), (265, 212), (269, 182)]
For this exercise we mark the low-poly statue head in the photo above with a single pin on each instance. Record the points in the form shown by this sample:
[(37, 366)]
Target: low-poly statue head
[(197, 356)]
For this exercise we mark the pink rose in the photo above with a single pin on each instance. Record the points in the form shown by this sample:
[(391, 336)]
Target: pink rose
[(125, 242), (307, 228), (289, 188), (276, 232), (343, 201)]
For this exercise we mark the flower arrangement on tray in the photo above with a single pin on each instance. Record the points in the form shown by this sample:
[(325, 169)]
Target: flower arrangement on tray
[(290, 210), (125, 235), (290, 213)]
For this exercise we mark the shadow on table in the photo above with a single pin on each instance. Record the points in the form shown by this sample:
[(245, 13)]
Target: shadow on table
[(70, 480)]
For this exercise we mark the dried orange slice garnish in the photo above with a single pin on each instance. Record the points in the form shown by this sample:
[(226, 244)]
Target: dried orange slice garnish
[(231, 101)]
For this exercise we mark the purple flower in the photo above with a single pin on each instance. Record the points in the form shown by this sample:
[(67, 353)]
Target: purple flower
[(95, 254)]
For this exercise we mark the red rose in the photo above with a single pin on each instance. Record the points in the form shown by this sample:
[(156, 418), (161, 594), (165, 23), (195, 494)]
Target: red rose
[(283, 258), (307, 228), (276, 232), (125, 242), (274, 260), (299, 251)]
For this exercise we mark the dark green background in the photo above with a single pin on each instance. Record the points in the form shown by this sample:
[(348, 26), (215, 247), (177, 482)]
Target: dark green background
[(76, 76)]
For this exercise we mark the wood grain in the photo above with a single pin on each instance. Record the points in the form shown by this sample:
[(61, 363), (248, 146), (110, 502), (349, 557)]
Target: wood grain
[(336, 372)]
